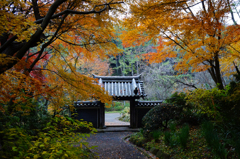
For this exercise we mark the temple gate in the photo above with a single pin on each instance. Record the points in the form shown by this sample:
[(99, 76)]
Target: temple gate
[(120, 88)]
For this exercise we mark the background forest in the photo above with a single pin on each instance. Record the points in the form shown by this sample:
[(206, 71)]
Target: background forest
[(50, 49)]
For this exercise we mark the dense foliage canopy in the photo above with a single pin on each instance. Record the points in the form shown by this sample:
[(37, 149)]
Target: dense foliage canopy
[(45, 43), (199, 32)]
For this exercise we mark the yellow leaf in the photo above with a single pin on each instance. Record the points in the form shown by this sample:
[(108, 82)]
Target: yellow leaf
[(44, 152)]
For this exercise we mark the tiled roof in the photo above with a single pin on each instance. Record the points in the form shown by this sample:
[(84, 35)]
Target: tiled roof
[(87, 104), (148, 103), (122, 86)]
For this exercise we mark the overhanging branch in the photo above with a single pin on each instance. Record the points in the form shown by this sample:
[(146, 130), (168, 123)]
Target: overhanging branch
[(69, 11), (189, 85)]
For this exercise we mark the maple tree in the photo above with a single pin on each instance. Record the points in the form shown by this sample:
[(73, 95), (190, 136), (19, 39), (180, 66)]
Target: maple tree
[(196, 31), (79, 24), (95, 66), (41, 41)]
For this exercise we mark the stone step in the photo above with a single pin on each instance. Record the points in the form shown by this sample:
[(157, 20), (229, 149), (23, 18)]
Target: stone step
[(118, 128)]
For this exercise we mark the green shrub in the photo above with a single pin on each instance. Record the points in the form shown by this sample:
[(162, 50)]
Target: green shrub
[(119, 108), (208, 101), (177, 98), (172, 127), (189, 114), (156, 134), (220, 106), (126, 110), (57, 140), (183, 136), (170, 139), (154, 150), (229, 107), (237, 147), (15, 143), (138, 139), (36, 118), (147, 146), (125, 114), (158, 117), (116, 106), (191, 117), (162, 155), (167, 137), (213, 141), (127, 104)]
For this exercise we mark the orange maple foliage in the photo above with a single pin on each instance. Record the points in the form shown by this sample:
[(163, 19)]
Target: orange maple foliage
[(80, 26), (201, 38), (40, 41), (95, 66), (18, 88)]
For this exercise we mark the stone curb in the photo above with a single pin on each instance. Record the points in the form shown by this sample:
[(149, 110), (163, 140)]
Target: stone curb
[(146, 153)]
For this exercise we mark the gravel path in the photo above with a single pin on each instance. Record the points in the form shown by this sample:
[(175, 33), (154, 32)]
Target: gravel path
[(112, 146)]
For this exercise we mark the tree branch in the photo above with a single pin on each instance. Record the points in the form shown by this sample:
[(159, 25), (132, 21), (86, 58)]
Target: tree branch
[(46, 44), (44, 23), (236, 68), (69, 11), (174, 41), (36, 9), (85, 44), (7, 43), (189, 85), (233, 19)]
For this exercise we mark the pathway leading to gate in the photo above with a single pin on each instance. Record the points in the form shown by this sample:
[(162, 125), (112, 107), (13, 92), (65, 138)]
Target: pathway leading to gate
[(111, 145)]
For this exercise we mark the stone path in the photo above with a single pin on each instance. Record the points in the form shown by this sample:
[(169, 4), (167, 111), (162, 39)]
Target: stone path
[(112, 119), (110, 145)]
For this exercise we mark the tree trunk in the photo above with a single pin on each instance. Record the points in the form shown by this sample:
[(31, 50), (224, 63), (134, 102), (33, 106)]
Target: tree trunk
[(216, 73)]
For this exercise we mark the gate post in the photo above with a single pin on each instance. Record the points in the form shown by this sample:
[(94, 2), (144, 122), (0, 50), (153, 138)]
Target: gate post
[(132, 114), (102, 116)]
